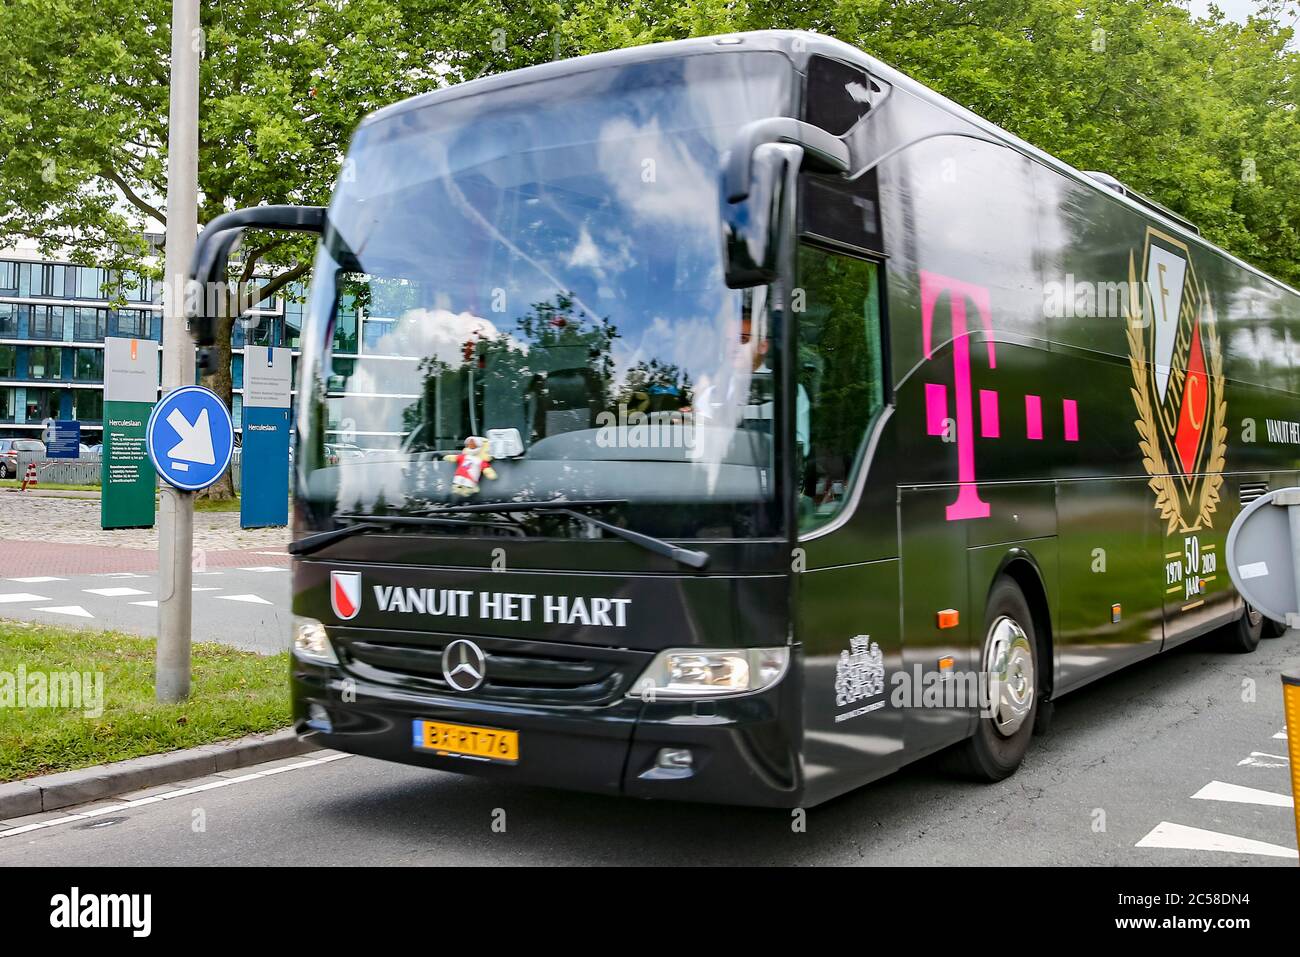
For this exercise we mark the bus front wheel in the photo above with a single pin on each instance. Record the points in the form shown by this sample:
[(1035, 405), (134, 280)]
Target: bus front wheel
[(1010, 674)]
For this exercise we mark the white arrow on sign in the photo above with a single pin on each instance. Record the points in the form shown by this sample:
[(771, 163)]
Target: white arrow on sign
[(196, 441)]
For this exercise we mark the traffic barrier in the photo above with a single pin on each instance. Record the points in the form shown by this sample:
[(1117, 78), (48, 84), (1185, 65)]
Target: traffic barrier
[(29, 477), (1291, 706)]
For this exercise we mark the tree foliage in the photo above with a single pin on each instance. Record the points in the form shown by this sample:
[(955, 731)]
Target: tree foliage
[(1199, 114)]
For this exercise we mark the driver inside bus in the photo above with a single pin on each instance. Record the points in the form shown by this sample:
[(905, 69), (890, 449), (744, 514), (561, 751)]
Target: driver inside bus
[(751, 376)]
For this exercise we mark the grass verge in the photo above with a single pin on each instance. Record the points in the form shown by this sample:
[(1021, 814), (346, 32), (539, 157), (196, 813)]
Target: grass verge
[(57, 486), (234, 693), (202, 504)]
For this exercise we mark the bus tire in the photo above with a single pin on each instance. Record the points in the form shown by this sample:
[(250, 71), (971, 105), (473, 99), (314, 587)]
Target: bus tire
[(1009, 661), (1243, 635)]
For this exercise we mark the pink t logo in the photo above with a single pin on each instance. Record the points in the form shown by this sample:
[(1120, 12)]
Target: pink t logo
[(968, 503)]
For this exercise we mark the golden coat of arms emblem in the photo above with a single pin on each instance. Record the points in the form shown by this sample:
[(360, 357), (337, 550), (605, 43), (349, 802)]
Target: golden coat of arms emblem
[(1177, 368)]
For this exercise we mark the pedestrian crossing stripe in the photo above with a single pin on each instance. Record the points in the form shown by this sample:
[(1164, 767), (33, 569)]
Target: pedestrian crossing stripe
[(20, 596), (1237, 794), (1180, 837), (76, 611), (250, 599)]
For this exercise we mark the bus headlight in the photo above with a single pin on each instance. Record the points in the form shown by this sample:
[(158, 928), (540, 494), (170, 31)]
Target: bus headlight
[(710, 673), (311, 642)]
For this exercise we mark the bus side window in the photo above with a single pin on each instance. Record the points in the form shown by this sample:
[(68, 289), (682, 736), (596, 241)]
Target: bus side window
[(841, 387)]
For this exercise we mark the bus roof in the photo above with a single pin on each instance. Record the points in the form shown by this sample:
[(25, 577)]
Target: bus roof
[(798, 45)]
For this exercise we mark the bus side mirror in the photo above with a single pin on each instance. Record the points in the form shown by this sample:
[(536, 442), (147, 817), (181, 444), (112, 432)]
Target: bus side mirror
[(751, 228), (212, 253), (758, 170)]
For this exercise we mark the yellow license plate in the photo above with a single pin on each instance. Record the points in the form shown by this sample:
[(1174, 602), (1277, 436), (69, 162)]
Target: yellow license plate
[(466, 741)]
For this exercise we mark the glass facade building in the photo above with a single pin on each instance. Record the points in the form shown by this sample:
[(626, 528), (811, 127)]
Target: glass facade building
[(54, 316)]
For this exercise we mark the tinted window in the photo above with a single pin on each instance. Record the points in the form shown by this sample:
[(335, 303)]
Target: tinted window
[(840, 374), (838, 95)]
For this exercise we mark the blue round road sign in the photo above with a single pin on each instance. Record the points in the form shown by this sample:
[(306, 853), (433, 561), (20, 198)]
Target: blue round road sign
[(190, 437)]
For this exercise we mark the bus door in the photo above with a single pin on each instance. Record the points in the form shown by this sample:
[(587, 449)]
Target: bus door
[(848, 581)]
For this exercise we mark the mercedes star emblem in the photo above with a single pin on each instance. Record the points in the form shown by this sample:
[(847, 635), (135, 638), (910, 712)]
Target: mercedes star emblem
[(463, 665)]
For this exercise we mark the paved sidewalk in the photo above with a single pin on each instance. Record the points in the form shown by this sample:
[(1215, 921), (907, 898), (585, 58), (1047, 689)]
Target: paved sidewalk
[(27, 559), (75, 521)]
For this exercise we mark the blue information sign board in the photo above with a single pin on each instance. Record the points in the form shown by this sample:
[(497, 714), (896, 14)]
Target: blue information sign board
[(65, 440), (264, 477), (264, 461)]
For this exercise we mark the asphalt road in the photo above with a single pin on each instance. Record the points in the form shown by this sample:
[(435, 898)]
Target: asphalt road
[(246, 607), (1116, 774)]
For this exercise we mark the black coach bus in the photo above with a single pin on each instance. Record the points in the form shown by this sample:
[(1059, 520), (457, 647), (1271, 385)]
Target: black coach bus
[(739, 420)]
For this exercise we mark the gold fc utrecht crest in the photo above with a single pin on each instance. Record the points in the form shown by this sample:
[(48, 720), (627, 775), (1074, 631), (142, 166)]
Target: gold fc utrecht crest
[(1177, 383)]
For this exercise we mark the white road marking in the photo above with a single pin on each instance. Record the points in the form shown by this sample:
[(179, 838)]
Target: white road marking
[(265, 568), (1184, 838), (37, 579), (20, 596), (1280, 736), (114, 592), (118, 575), (1222, 791), (251, 599), (1256, 760), (205, 588), (151, 603), (168, 795), (76, 611), (279, 554)]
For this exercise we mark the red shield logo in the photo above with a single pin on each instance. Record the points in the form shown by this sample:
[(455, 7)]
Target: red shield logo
[(345, 594)]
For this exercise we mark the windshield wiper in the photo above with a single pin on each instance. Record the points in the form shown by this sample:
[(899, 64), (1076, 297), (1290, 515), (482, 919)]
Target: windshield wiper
[(370, 523), (687, 556)]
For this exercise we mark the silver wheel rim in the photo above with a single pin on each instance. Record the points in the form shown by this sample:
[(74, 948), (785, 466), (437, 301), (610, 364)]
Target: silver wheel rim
[(1009, 664)]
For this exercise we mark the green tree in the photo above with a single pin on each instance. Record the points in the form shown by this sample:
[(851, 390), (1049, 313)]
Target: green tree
[(83, 118)]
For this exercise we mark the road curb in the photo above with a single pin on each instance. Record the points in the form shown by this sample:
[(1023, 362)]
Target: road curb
[(51, 792)]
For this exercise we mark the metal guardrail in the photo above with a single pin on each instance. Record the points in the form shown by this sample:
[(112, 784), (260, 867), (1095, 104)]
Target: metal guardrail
[(79, 471), (66, 471)]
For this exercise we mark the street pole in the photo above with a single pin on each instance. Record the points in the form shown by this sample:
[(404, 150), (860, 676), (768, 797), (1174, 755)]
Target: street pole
[(176, 507)]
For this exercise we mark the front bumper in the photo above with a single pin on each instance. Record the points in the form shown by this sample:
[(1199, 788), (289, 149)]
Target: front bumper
[(745, 749)]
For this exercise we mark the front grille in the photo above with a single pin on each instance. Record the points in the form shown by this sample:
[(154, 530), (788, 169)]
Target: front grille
[(1250, 491), (519, 671)]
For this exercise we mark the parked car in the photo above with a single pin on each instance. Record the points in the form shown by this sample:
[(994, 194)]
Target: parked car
[(11, 449), (97, 451), (335, 453)]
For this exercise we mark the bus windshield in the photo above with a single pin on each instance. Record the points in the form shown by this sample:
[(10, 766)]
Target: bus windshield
[(520, 298)]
